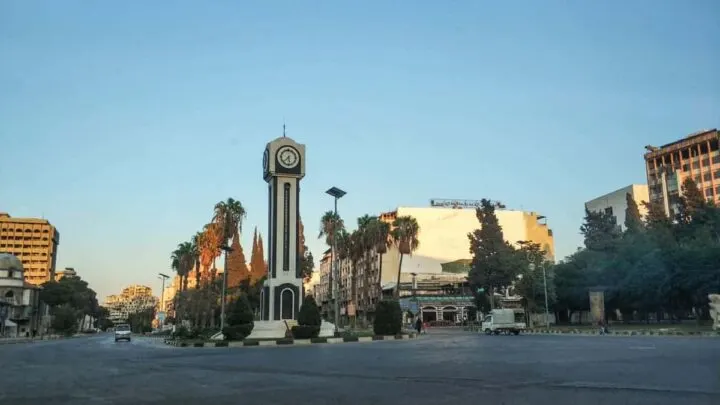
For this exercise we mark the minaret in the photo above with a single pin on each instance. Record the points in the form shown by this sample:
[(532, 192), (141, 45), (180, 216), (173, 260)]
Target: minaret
[(283, 168)]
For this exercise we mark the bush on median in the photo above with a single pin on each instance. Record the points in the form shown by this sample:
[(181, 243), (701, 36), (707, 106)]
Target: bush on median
[(239, 319), (388, 318), (309, 320)]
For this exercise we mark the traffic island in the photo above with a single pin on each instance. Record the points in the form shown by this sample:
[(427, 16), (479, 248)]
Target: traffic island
[(657, 332), (286, 341)]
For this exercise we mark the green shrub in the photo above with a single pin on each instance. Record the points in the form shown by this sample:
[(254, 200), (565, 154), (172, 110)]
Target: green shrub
[(64, 320), (237, 332), (239, 312), (388, 318), (309, 313), (305, 331), (181, 332)]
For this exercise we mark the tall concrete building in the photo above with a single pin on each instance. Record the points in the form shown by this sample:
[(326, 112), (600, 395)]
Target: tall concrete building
[(34, 241), (696, 156), (615, 203)]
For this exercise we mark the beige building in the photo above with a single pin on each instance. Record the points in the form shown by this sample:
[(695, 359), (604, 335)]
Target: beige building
[(68, 272), (696, 156), (443, 253), (615, 203), (34, 241), (132, 299)]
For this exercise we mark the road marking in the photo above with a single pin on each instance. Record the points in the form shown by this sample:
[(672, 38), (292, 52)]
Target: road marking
[(642, 347)]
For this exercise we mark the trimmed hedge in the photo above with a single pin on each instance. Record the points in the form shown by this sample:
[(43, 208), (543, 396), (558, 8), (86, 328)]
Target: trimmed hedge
[(239, 320), (305, 331), (388, 318), (237, 332), (309, 320)]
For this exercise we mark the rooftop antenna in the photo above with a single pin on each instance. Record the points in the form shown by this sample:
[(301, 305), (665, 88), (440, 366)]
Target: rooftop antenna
[(284, 136)]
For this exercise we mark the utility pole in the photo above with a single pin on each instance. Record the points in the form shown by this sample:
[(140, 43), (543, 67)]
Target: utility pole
[(163, 277)]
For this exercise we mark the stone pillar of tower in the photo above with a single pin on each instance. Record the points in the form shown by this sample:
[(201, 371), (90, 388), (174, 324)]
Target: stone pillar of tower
[(283, 168)]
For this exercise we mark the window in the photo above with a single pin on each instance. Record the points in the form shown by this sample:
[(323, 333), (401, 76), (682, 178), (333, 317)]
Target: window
[(708, 192), (707, 177), (609, 210), (705, 162)]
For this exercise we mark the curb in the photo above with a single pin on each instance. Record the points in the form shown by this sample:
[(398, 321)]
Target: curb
[(288, 341), (621, 333)]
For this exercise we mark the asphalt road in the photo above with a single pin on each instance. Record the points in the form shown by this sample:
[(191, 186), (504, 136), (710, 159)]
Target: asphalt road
[(440, 368)]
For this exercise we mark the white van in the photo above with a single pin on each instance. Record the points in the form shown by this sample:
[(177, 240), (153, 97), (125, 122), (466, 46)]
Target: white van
[(504, 320)]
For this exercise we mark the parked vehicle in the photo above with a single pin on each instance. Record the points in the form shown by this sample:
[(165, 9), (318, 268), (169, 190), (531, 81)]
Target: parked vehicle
[(504, 321)]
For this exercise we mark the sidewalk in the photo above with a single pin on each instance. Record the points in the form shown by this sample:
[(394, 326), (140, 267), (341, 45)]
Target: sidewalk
[(16, 340), (611, 332)]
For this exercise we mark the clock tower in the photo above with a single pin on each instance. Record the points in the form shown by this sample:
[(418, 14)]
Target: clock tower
[(283, 168)]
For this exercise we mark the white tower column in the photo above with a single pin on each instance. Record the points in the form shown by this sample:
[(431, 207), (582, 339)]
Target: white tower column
[(283, 167)]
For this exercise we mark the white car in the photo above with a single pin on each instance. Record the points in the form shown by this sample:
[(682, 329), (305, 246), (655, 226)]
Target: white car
[(122, 332)]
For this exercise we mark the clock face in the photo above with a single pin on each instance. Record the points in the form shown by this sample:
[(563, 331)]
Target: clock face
[(288, 157), (266, 160)]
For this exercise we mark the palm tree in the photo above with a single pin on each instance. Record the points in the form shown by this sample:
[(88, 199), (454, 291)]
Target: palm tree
[(330, 223), (228, 219), (196, 241), (351, 248), (405, 236), (377, 238), (366, 242), (181, 262), (330, 226), (209, 248)]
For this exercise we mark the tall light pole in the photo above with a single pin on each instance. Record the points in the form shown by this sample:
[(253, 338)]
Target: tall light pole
[(227, 250), (337, 194), (163, 277), (532, 267), (413, 287)]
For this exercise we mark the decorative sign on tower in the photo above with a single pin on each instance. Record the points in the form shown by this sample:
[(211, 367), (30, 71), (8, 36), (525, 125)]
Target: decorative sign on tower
[(283, 168)]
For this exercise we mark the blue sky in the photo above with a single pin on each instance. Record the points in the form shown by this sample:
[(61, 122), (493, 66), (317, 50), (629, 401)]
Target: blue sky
[(124, 122)]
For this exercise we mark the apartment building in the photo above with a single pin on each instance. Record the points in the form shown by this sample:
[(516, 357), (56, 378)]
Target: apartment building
[(68, 272), (696, 156), (34, 241), (615, 203), (134, 298)]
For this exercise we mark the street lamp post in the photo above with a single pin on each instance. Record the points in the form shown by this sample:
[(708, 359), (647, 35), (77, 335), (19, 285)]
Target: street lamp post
[(227, 250), (163, 277), (547, 307), (413, 286), (337, 194)]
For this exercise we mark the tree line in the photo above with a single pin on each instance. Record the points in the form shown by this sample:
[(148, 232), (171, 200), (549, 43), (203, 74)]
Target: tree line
[(201, 306), (656, 268), (367, 243), (70, 300)]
